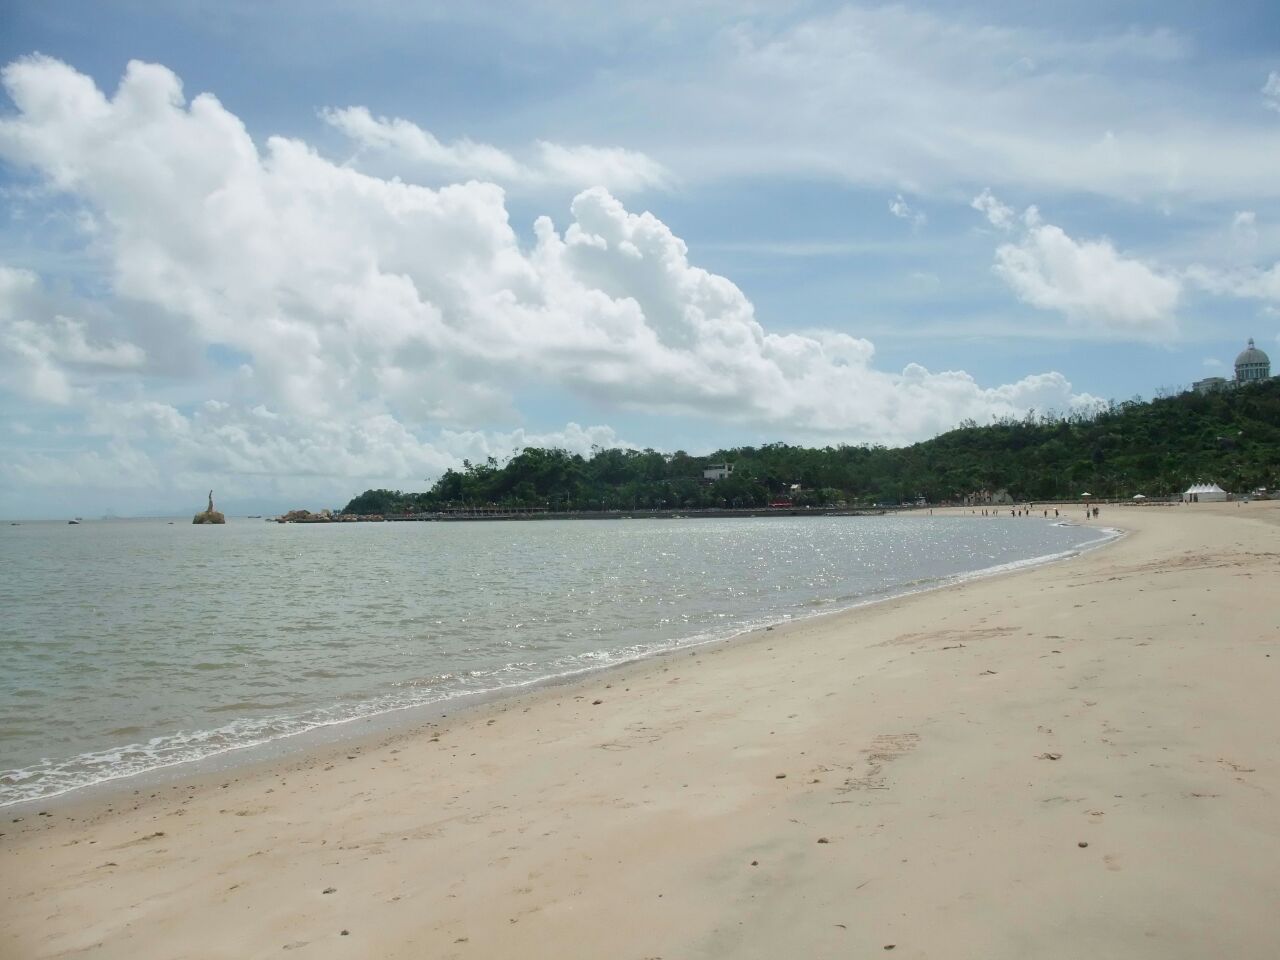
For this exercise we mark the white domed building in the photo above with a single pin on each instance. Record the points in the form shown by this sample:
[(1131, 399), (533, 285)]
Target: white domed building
[(1252, 365)]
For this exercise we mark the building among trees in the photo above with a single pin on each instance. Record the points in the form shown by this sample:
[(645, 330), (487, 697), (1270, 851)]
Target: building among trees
[(1252, 366)]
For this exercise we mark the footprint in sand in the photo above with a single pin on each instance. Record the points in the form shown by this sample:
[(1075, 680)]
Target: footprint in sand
[(884, 749), (1237, 767)]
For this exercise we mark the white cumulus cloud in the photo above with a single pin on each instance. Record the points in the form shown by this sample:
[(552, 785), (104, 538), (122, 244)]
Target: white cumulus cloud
[(1088, 281), (407, 145), (464, 158), (380, 328), (997, 213), (904, 211), (42, 352)]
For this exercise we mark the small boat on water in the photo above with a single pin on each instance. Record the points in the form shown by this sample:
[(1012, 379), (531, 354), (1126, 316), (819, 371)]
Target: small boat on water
[(74, 522)]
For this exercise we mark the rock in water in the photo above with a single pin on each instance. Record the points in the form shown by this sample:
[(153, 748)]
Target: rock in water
[(210, 515)]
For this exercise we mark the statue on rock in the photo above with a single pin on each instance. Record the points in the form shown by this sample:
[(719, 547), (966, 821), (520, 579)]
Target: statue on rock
[(210, 515)]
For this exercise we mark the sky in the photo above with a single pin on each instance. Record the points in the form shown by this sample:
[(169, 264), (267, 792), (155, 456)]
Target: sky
[(291, 251)]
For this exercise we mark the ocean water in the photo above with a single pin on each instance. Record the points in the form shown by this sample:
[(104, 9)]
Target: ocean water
[(129, 645)]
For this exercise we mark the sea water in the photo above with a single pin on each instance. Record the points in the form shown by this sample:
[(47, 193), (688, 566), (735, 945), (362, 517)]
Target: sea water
[(129, 645)]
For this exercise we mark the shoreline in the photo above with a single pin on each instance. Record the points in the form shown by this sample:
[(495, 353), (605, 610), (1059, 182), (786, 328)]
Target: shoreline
[(870, 777), (384, 722)]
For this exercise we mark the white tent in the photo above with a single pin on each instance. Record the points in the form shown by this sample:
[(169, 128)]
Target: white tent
[(1204, 493)]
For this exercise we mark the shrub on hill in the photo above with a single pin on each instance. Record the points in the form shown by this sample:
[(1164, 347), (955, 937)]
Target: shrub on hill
[(1156, 448)]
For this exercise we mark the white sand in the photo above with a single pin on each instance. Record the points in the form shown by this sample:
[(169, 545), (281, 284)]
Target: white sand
[(914, 737)]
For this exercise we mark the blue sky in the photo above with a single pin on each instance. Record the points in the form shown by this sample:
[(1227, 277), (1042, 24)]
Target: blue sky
[(809, 222)]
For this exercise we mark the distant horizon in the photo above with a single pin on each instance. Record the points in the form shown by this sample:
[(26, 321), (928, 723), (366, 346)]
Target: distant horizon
[(445, 233), (246, 508)]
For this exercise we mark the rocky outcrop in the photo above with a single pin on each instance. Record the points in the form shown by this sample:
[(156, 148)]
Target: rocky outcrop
[(210, 515), (306, 516)]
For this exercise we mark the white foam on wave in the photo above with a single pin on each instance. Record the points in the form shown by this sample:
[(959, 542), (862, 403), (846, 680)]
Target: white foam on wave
[(53, 778)]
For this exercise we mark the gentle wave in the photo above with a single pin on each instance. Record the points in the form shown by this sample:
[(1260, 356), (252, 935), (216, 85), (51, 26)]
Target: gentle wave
[(51, 777)]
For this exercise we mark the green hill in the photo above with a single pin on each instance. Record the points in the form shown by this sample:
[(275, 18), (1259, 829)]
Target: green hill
[(1156, 448)]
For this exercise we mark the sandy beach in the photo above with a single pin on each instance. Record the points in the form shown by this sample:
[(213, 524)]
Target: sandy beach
[(1077, 760)]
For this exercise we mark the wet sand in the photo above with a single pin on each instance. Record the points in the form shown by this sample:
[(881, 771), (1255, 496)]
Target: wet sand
[(1080, 760)]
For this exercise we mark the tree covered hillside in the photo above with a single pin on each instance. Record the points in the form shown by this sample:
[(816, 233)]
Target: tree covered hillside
[(1156, 448)]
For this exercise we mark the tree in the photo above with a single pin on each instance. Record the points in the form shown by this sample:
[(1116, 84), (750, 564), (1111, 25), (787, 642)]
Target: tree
[(1155, 448)]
